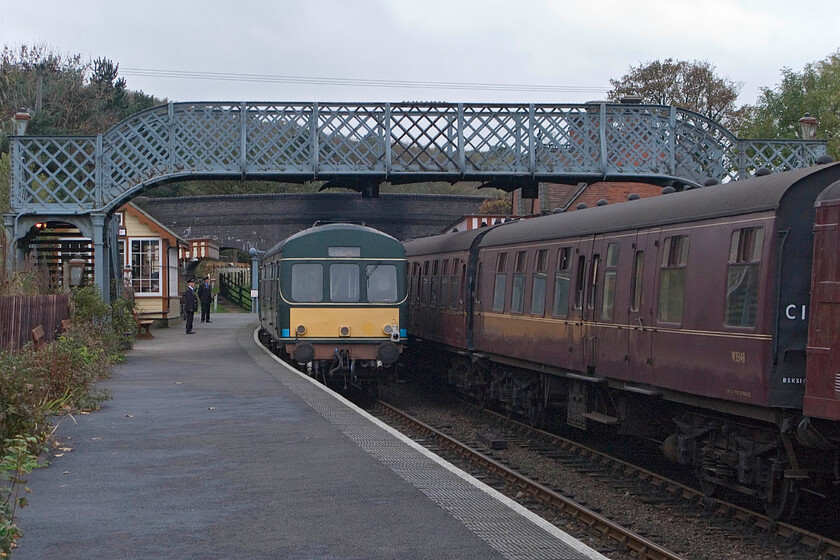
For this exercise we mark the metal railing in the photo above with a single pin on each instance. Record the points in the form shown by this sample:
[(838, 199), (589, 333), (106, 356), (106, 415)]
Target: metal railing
[(235, 286)]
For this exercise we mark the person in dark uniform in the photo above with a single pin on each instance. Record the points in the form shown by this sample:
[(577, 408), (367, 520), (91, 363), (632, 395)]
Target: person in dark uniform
[(190, 304), (205, 296)]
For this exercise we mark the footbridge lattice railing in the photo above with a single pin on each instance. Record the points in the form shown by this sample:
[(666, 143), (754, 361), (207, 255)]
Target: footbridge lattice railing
[(504, 145)]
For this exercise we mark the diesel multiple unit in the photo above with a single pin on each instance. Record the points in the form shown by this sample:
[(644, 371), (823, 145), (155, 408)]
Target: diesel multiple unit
[(333, 297)]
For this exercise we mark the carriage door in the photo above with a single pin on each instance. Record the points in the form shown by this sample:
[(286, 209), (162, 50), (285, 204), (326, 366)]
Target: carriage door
[(640, 306), (822, 378), (582, 313), (593, 289)]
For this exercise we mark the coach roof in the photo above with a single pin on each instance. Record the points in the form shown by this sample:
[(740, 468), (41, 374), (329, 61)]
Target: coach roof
[(759, 194), (339, 231)]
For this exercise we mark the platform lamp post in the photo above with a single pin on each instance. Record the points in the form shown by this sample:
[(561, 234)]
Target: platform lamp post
[(808, 127), (76, 267), (21, 120)]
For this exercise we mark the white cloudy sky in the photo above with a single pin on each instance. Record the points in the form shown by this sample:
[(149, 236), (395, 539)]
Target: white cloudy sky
[(289, 47)]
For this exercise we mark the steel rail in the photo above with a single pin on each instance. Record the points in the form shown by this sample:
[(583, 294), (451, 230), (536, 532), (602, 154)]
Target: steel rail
[(827, 548), (644, 548)]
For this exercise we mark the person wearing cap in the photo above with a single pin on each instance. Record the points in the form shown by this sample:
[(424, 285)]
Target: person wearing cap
[(205, 296), (190, 302)]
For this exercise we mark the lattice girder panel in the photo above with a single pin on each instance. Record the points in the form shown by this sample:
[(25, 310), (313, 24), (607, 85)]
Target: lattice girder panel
[(703, 149), (567, 139), (54, 173), (351, 139), (778, 155), (207, 138), (637, 141), (496, 139), (136, 150), (278, 138), (424, 138)]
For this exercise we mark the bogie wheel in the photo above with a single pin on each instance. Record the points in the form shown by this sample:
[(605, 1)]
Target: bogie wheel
[(784, 501), (708, 487)]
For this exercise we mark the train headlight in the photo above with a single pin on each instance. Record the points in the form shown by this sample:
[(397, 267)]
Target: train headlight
[(393, 331), (300, 330), (344, 331)]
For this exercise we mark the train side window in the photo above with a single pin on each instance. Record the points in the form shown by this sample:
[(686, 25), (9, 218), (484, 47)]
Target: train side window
[(426, 284), (580, 281), (307, 282), (433, 301), (593, 281), (456, 288), (636, 281), (443, 299), (742, 277), (538, 283), (562, 283), (610, 270), (500, 284), (415, 280), (381, 280), (517, 294), (672, 279), (344, 283)]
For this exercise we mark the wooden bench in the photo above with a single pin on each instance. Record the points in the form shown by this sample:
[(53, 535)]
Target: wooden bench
[(38, 337), (143, 326)]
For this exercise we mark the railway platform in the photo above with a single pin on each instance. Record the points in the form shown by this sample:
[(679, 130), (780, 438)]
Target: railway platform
[(212, 448)]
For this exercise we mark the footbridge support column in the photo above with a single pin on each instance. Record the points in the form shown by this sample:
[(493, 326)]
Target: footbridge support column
[(101, 272), (9, 242)]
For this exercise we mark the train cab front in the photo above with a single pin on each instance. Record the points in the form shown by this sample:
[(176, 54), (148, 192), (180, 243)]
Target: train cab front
[(364, 337)]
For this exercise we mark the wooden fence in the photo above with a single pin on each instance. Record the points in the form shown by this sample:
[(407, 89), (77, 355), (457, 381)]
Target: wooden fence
[(235, 286), (20, 314)]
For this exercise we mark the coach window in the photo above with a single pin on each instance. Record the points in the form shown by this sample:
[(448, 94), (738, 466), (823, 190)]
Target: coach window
[(538, 283), (636, 281), (381, 280), (593, 281), (435, 283), (608, 299), (501, 283), (307, 282), (426, 283), (517, 294), (415, 278), (454, 286), (444, 284), (742, 277), (672, 279), (344, 283), (562, 283), (580, 281)]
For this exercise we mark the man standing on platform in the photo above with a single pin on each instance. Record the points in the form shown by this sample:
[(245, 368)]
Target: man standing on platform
[(205, 296), (190, 304)]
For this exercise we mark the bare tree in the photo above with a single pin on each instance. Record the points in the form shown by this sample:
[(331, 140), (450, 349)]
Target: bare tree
[(691, 85)]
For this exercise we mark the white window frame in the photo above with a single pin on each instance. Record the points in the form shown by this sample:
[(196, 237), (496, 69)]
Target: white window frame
[(134, 280)]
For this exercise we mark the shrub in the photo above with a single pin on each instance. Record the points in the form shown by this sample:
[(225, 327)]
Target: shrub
[(16, 462)]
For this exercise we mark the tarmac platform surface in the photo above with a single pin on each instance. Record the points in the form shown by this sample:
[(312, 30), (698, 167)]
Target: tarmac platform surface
[(212, 448)]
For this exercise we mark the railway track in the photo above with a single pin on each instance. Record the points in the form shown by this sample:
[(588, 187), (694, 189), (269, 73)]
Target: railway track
[(826, 548), (599, 464), (640, 546)]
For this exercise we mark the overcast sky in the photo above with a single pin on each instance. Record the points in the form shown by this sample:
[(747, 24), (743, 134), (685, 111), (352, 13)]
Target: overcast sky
[(299, 50)]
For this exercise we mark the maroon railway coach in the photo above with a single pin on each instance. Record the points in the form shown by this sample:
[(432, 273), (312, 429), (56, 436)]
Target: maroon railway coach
[(683, 317)]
